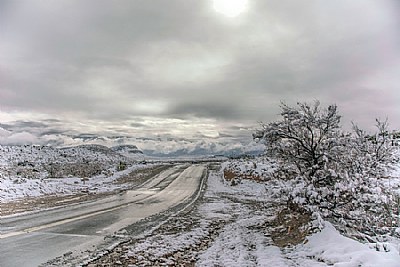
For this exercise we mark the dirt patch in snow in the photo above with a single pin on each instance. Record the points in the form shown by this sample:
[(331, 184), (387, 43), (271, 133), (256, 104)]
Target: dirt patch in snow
[(230, 175), (290, 227)]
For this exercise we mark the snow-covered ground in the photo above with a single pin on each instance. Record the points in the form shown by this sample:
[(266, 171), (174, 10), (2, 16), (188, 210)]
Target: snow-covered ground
[(241, 244), (231, 226)]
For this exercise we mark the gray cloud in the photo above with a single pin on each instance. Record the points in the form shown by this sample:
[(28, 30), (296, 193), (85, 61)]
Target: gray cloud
[(207, 109), (122, 67), (28, 126), (137, 125)]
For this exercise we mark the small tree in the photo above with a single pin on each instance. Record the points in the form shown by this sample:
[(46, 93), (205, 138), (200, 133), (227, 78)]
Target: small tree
[(306, 136)]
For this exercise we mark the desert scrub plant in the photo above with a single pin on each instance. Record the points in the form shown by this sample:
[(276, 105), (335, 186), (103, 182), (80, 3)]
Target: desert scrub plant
[(333, 172)]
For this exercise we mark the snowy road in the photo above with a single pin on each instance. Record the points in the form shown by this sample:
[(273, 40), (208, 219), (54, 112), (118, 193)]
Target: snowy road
[(32, 239)]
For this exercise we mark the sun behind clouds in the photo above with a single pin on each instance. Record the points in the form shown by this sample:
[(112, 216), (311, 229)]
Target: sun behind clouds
[(230, 8)]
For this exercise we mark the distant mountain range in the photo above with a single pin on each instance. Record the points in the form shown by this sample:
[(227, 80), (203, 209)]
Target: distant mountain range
[(197, 151)]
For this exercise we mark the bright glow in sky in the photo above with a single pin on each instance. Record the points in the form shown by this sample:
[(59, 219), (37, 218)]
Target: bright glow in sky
[(230, 8)]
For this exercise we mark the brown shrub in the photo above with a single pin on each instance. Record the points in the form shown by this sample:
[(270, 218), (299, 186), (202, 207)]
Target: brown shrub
[(229, 175)]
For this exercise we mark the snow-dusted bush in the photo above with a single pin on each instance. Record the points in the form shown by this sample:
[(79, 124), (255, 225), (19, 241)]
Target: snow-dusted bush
[(374, 152), (332, 172), (305, 138)]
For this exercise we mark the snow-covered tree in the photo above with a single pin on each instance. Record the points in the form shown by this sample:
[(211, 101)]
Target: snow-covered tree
[(332, 172), (307, 137)]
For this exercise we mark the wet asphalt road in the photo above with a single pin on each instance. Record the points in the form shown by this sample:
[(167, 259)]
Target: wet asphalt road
[(33, 239)]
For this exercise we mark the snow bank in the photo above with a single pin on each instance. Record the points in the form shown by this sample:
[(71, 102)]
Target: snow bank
[(333, 249)]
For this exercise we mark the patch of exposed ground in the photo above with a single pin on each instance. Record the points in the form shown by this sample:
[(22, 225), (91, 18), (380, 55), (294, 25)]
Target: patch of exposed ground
[(233, 176), (290, 227)]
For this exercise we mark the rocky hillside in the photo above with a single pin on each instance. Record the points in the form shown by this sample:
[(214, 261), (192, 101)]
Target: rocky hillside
[(32, 161)]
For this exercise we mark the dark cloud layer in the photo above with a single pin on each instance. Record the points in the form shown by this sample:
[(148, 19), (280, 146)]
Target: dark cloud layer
[(153, 67)]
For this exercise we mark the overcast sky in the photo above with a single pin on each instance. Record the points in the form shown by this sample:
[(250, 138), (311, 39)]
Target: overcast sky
[(186, 69)]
